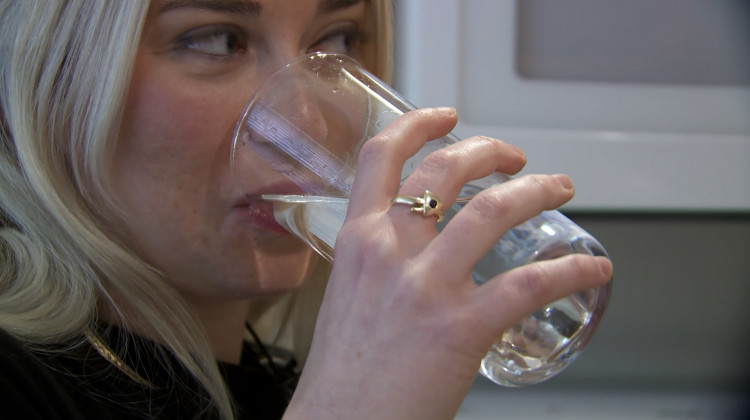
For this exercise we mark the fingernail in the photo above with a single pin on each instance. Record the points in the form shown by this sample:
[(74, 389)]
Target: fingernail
[(605, 266), (565, 181), (446, 110)]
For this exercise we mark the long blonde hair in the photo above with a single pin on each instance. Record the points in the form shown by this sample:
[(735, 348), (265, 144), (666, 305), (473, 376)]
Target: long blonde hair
[(65, 67)]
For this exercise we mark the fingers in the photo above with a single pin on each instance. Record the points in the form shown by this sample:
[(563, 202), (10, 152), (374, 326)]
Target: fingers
[(444, 172), (491, 213), (526, 289), (447, 170), (382, 157)]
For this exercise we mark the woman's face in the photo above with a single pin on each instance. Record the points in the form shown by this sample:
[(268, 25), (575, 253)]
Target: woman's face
[(198, 64)]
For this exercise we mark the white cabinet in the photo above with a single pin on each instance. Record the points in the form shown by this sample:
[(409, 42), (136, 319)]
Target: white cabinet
[(632, 131)]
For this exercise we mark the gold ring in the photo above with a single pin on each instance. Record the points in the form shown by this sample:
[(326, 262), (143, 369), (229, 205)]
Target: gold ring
[(429, 204)]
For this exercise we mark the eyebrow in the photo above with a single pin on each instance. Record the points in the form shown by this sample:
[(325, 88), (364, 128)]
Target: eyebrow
[(326, 6), (247, 6), (231, 6)]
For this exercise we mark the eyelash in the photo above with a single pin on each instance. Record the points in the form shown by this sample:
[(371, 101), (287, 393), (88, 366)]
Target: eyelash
[(352, 38), (226, 37), (232, 40)]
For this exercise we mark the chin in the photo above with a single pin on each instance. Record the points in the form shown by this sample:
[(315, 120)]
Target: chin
[(283, 273)]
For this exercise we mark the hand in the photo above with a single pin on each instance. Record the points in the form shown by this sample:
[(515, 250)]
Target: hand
[(403, 327)]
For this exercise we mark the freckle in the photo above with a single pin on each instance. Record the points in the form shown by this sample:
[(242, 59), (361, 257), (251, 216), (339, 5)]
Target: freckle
[(359, 355)]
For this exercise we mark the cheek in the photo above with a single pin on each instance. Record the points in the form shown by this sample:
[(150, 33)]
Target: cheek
[(161, 121), (174, 136)]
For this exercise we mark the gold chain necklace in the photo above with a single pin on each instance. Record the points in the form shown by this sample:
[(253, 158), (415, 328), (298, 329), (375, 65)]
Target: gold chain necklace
[(112, 358)]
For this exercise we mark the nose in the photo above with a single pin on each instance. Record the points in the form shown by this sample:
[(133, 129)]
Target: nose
[(291, 89), (293, 126), (303, 107)]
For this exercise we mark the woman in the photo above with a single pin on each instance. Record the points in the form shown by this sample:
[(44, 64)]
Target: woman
[(130, 266)]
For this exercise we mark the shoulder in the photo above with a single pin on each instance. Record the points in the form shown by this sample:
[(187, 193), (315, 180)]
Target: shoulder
[(78, 384), (28, 389)]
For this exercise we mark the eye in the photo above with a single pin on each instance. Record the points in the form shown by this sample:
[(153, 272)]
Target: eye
[(218, 41), (343, 41), (336, 43)]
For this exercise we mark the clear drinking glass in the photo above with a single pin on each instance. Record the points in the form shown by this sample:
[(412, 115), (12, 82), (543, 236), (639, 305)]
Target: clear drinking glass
[(309, 121)]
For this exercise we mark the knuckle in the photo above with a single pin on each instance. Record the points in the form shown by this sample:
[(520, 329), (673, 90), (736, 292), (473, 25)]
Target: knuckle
[(544, 281), (485, 140), (373, 256), (371, 250), (418, 118), (500, 147), (491, 203), (543, 184), (583, 266), (375, 148), (496, 144), (535, 281), (441, 160)]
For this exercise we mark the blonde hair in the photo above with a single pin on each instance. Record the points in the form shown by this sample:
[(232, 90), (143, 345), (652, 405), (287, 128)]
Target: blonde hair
[(64, 73)]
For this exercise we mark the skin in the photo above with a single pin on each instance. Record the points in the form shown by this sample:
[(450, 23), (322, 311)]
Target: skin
[(395, 308), (171, 172), (404, 338)]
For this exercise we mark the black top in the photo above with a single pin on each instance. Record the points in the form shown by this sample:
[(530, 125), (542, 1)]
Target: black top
[(80, 384)]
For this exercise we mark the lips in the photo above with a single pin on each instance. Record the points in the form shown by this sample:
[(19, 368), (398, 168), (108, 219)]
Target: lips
[(258, 212)]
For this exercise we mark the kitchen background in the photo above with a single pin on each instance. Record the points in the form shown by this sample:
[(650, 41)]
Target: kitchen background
[(675, 341)]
